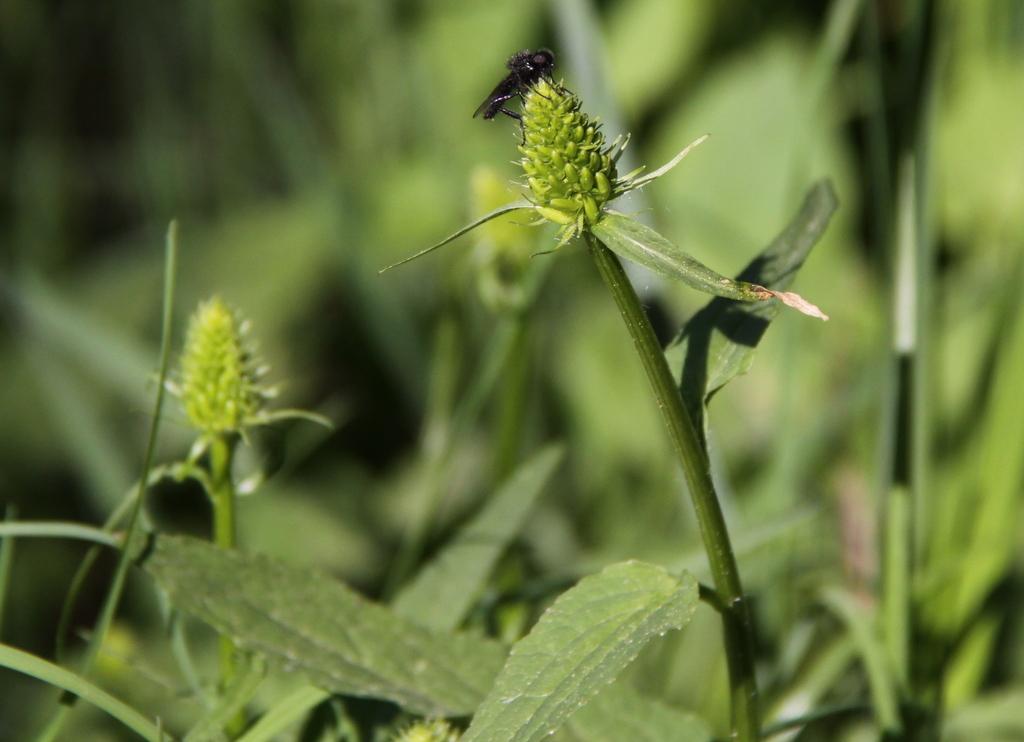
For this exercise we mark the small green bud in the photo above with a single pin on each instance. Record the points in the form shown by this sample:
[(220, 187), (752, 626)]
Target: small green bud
[(502, 253), (565, 204), (220, 378), (431, 730), (586, 179), (555, 215)]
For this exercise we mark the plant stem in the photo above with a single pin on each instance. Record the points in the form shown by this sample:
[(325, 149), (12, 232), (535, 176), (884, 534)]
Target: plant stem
[(222, 490), (222, 496), (736, 620)]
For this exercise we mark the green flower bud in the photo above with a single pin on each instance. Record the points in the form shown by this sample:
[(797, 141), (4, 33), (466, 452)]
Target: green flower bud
[(568, 168), (431, 730), (219, 378), (502, 253)]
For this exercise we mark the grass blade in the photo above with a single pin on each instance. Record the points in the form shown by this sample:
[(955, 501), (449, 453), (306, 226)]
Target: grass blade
[(444, 590), (57, 676), (860, 623), (287, 711)]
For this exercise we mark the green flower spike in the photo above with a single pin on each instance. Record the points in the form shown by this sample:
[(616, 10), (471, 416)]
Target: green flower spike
[(571, 175), (220, 385), (220, 380), (570, 172)]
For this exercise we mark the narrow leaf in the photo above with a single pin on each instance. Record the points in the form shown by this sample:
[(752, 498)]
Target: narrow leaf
[(641, 182), (579, 646), (239, 692), (310, 622), (6, 560), (994, 716), (634, 241), (860, 622), (718, 342), (284, 713), (620, 713), (57, 676), (444, 590), (520, 203)]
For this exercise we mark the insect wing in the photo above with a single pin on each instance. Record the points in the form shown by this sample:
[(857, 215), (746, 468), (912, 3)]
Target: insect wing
[(507, 88)]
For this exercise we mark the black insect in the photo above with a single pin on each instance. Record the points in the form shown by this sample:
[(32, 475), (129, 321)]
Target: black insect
[(525, 69)]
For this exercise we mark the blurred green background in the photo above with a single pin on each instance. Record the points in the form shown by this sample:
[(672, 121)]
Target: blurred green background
[(306, 144)]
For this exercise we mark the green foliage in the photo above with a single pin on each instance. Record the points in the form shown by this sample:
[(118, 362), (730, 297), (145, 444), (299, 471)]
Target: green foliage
[(578, 646), (619, 712), (308, 622), (443, 592), (871, 485), (25, 662), (718, 342)]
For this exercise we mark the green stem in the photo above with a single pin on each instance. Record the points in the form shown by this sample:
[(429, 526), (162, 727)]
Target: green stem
[(222, 491), (736, 620), (222, 495)]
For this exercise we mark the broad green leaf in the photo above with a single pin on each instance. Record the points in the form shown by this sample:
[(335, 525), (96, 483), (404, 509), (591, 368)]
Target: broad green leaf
[(620, 713), (511, 206), (444, 590), (719, 341), (580, 645), (309, 622)]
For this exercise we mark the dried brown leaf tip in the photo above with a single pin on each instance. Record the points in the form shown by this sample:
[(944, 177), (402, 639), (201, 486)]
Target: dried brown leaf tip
[(792, 299)]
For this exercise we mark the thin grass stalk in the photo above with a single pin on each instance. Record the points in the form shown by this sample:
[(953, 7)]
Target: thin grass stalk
[(82, 572), (6, 561), (927, 688), (114, 592)]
